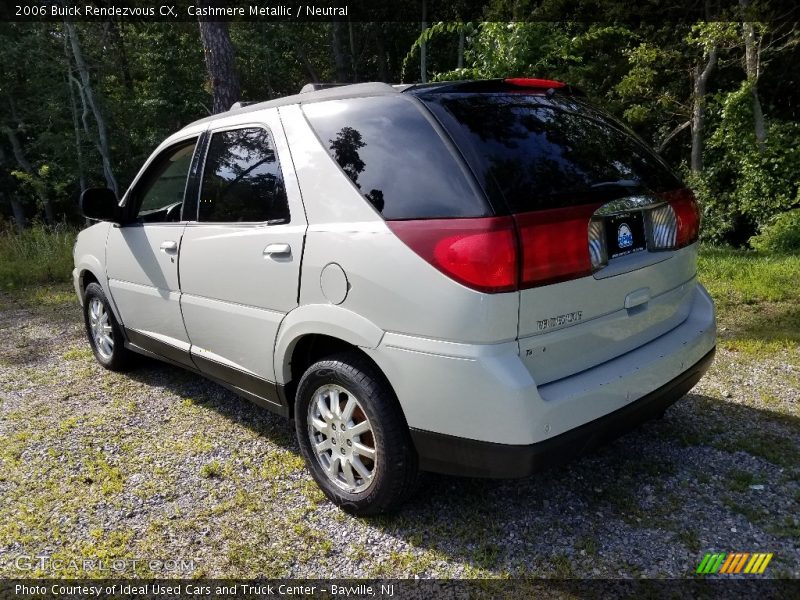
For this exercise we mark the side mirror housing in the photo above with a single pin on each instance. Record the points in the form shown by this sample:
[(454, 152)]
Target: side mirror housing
[(100, 204)]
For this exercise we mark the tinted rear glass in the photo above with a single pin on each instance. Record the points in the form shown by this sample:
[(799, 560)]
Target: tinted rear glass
[(541, 152), (395, 157)]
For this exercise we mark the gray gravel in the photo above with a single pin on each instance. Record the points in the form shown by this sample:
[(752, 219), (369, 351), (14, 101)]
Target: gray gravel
[(161, 465)]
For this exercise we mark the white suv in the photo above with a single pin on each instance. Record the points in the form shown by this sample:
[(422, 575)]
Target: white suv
[(474, 278)]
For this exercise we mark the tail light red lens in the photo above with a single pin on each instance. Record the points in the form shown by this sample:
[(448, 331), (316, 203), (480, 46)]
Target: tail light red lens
[(503, 254), (687, 213), (675, 224), (479, 253), (555, 244)]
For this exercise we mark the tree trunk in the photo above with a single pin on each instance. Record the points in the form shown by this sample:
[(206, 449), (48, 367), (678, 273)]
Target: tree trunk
[(301, 54), (353, 57), (338, 55), (461, 48), (752, 58), (220, 64), (75, 124), (19, 213), (423, 47), (698, 109), (19, 155), (16, 206), (380, 45), (88, 95)]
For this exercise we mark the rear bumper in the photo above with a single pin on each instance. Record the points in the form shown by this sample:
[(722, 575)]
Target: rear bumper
[(472, 458)]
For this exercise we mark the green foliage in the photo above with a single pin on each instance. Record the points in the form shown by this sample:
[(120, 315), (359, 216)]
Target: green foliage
[(37, 255), (149, 79), (743, 180), (781, 234)]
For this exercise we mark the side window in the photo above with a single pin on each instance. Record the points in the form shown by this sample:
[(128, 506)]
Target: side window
[(161, 189), (395, 157), (242, 179)]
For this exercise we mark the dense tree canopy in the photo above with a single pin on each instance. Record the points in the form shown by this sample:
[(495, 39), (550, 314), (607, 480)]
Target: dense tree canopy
[(84, 104)]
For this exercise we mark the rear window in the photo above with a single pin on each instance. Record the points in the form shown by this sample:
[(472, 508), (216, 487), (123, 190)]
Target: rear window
[(539, 152), (395, 157)]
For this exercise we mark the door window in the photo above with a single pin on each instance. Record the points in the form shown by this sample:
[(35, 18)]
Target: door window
[(242, 180), (161, 189)]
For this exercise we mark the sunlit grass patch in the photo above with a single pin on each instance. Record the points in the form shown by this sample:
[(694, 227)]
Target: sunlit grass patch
[(757, 298), (36, 255)]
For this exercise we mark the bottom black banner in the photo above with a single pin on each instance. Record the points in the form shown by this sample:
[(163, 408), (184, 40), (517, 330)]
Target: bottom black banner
[(399, 588)]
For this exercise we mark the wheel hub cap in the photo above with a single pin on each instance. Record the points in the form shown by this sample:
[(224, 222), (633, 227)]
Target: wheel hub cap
[(342, 438), (102, 334)]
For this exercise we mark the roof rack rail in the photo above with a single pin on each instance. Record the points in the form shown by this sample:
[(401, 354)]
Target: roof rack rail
[(242, 104), (313, 87)]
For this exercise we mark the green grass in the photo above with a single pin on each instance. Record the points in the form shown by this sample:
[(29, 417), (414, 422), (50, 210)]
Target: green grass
[(739, 480), (757, 297), (35, 256), (736, 277)]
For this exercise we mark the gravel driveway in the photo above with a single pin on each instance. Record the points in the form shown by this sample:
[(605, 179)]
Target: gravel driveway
[(179, 477)]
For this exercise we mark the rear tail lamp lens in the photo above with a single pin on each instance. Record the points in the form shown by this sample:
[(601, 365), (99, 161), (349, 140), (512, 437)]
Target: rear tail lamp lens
[(687, 213), (503, 254), (554, 244), (675, 224), (479, 253)]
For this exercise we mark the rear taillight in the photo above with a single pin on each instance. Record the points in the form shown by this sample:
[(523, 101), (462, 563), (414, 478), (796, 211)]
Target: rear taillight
[(555, 244), (675, 224), (503, 254), (687, 213), (479, 253)]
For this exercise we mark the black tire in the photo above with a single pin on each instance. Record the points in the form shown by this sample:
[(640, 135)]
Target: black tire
[(394, 470), (119, 358)]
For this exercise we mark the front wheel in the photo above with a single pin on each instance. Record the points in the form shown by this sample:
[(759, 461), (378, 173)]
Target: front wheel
[(103, 331), (353, 435)]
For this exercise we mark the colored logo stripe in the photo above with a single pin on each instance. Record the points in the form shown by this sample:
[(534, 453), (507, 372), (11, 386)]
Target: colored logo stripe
[(734, 563), (758, 563), (710, 563)]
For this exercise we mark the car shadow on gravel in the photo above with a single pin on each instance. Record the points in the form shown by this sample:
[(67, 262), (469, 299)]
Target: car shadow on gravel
[(212, 396), (677, 485), (709, 474)]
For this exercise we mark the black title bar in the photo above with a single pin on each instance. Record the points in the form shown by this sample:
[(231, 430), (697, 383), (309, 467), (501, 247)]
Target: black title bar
[(611, 11)]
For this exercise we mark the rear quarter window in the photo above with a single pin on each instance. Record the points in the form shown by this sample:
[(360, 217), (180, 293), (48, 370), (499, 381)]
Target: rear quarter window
[(396, 158), (540, 152)]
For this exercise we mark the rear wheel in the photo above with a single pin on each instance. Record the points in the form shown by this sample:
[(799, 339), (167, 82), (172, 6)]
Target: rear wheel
[(103, 331), (353, 435)]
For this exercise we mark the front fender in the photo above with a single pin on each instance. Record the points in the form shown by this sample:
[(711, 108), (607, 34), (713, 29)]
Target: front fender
[(321, 319)]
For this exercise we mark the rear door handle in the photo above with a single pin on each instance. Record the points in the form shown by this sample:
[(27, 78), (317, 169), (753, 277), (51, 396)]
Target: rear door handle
[(169, 246), (277, 250)]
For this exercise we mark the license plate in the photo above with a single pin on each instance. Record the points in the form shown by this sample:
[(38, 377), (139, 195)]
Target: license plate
[(625, 234)]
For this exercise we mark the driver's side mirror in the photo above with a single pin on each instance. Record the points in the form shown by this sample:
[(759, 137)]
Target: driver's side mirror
[(100, 204)]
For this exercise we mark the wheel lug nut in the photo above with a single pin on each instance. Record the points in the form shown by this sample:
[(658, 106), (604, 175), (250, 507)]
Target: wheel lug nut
[(333, 441), (349, 442), (333, 426), (342, 450)]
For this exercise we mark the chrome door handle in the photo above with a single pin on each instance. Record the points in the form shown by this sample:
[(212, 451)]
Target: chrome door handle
[(169, 246), (277, 250)]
